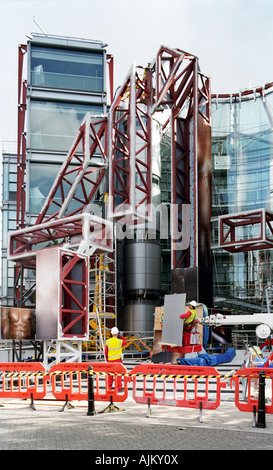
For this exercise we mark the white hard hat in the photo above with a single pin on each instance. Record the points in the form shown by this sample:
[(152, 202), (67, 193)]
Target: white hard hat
[(193, 303), (114, 331)]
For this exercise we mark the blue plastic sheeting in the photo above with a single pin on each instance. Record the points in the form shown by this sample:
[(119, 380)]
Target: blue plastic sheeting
[(207, 360), (262, 365)]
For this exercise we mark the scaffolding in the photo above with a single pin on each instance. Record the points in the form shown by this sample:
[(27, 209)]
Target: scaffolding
[(102, 302)]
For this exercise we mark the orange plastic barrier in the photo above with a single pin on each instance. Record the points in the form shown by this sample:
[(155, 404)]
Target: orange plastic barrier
[(172, 385), (69, 381), (22, 380), (247, 402)]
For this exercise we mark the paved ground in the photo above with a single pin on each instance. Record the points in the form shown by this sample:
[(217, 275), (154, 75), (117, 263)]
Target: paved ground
[(167, 429)]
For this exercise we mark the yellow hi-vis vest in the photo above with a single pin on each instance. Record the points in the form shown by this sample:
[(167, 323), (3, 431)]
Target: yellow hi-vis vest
[(189, 320), (114, 349)]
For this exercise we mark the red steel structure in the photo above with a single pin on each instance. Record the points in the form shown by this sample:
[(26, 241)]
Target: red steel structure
[(21, 140), (173, 82), (130, 146), (251, 230), (181, 85)]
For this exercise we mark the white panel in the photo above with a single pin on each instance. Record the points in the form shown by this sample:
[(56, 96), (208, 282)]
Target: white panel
[(172, 330), (47, 293)]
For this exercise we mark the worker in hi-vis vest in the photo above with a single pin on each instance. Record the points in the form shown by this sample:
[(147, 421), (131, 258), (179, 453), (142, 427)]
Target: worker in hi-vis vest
[(113, 353), (188, 318)]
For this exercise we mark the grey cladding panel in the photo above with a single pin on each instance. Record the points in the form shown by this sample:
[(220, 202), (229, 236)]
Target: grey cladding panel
[(172, 331)]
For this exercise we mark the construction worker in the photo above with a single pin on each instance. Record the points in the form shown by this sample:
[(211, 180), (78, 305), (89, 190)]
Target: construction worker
[(113, 354), (256, 354), (256, 359), (188, 317)]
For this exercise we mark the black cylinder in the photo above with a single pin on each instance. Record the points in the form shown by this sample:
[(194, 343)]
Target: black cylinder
[(91, 400), (261, 401)]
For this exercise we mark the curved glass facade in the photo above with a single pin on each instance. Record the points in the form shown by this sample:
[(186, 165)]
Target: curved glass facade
[(242, 157)]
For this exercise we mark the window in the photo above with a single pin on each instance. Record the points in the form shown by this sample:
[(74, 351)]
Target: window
[(67, 69), (41, 179), (54, 125)]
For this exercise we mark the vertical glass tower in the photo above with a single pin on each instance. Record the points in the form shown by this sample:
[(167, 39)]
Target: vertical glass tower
[(66, 79)]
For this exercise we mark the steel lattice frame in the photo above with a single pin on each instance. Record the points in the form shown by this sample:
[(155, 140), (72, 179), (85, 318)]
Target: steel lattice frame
[(130, 147), (90, 229), (233, 239)]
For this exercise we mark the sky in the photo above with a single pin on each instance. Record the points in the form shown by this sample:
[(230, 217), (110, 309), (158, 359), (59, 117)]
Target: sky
[(233, 39)]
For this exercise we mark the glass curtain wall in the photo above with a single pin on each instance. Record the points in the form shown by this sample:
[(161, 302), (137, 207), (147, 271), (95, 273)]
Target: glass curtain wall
[(66, 82), (242, 153)]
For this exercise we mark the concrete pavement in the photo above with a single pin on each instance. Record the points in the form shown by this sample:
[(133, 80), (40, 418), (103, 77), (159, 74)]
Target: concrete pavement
[(128, 429)]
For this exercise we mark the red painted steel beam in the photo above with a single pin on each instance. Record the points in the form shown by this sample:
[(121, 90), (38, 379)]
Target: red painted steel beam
[(21, 140), (24, 243)]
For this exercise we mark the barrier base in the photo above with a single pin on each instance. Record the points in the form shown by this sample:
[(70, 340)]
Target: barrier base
[(148, 413), (32, 406), (66, 405), (110, 408)]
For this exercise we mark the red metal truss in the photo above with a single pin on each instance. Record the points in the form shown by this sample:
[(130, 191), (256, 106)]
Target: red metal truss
[(180, 185), (180, 86), (174, 69), (81, 173), (130, 158), (74, 295), (251, 230), (82, 230)]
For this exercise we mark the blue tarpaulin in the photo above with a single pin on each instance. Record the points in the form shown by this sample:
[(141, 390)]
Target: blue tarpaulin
[(205, 359)]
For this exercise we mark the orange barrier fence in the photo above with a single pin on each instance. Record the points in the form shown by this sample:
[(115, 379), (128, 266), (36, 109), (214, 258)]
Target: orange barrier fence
[(247, 399), (164, 384), (152, 384), (22, 380), (69, 381)]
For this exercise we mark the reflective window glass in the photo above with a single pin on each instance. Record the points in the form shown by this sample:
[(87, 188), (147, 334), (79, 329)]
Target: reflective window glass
[(67, 69), (54, 125), (41, 179)]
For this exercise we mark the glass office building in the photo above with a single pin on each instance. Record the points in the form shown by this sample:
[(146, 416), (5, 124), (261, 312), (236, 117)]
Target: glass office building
[(242, 158)]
